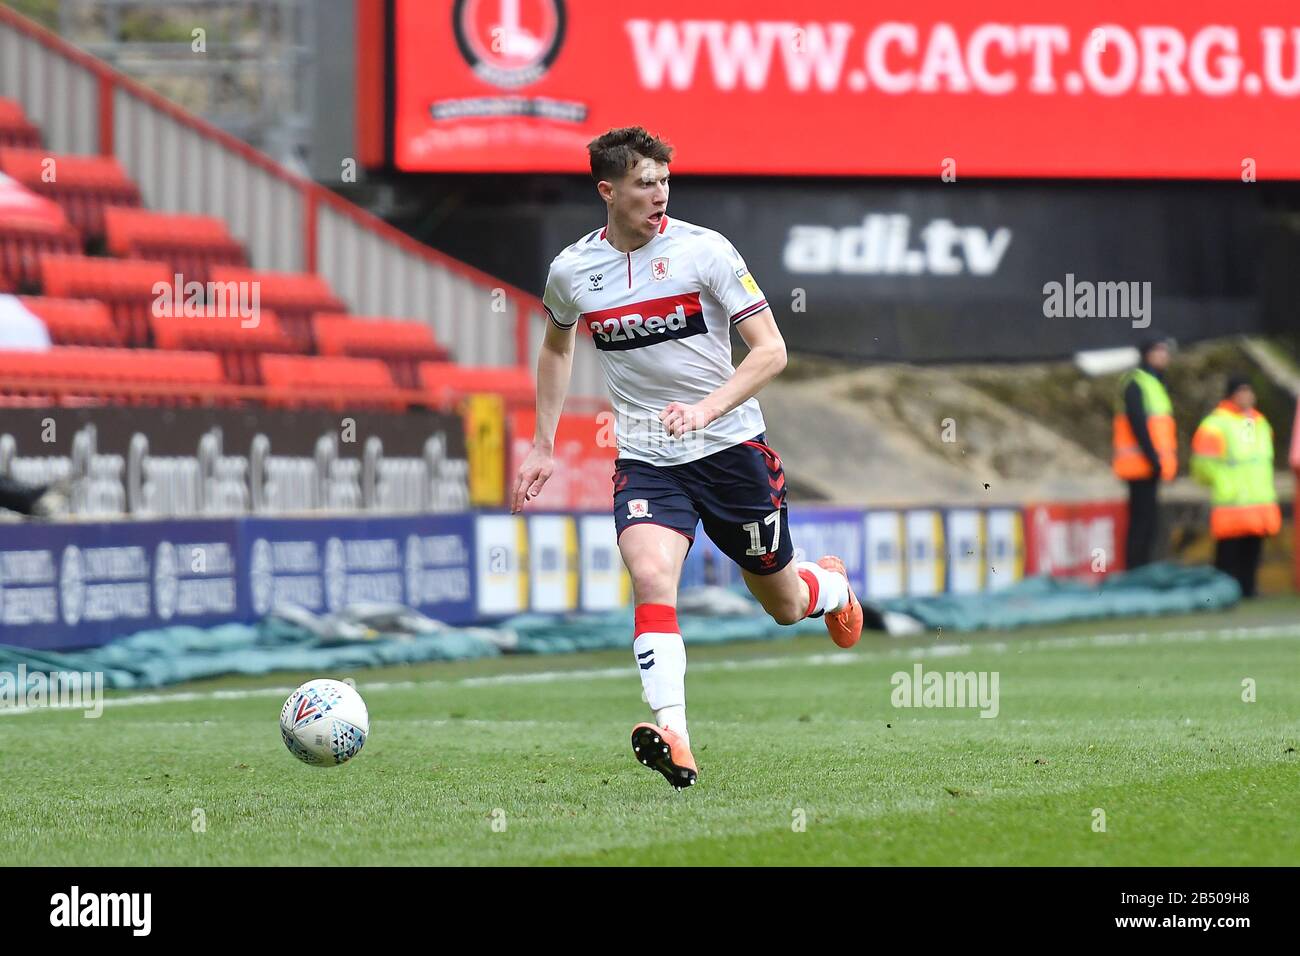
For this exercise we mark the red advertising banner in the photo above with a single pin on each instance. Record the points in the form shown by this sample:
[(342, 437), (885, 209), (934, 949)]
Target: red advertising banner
[(1075, 539), (1097, 88), (584, 461)]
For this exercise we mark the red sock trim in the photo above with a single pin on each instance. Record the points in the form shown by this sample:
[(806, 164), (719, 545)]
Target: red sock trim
[(814, 589), (656, 619)]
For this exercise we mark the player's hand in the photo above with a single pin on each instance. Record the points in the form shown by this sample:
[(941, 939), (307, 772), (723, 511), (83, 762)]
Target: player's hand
[(533, 475), (678, 419)]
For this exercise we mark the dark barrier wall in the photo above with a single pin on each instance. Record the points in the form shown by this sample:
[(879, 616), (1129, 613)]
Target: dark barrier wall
[(941, 271), (957, 272), (179, 461)]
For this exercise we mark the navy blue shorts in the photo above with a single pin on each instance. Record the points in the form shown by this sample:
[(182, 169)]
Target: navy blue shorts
[(738, 493)]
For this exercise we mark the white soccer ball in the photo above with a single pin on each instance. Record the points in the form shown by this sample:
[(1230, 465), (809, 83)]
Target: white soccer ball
[(324, 722)]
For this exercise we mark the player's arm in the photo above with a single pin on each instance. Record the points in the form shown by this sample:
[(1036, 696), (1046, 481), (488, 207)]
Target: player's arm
[(554, 369), (764, 362), (727, 279)]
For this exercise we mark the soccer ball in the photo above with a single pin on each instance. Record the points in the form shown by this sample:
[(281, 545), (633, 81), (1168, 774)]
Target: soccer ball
[(324, 722)]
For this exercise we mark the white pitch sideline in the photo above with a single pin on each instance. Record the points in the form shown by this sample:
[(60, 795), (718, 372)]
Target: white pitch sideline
[(1127, 639)]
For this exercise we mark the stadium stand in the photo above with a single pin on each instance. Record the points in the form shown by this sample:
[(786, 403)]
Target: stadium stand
[(237, 342), (294, 297), (191, 245), (23, 243), (87, 260), (446, 383), (83, 185), (15, 128), (403, 345), (75, 321), (294, 381), (129, 376), (126, 286)]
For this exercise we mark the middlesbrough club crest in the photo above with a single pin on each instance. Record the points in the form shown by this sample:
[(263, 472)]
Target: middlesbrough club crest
[(659, 268), (639, 508), (509, 43)]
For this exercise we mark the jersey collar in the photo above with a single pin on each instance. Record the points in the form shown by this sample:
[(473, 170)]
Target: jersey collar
[(663, 226)]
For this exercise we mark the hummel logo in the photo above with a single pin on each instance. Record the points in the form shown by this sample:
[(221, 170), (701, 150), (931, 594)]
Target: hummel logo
[(646, 665), (596, 278)]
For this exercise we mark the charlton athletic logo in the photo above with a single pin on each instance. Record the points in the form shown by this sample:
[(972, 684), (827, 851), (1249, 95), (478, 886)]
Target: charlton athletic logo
[(639, 508), (509, 43), (658, 269)]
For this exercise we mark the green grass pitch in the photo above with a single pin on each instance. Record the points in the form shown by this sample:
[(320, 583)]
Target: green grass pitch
[(803, 760)]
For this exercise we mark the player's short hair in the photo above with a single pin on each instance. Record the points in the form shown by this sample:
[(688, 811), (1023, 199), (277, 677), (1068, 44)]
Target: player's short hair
[(616, 152)]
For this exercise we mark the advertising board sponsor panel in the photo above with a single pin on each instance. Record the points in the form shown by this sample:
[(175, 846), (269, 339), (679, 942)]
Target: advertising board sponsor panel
[(606, 584), (79, 585), (1005, 88), (1075, 539), (501, 563), (886, 554), (1005, 547), (553, 563), (73, 585), (584, 459), (64, 586), (926, 553), (964, 531)]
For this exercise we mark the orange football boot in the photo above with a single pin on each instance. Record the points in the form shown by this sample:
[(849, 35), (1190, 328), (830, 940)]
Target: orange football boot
[(664, 750), (845, 626)]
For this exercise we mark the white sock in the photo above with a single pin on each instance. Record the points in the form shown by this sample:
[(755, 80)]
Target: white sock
[(661, 661), (674, 718), (832, 588)]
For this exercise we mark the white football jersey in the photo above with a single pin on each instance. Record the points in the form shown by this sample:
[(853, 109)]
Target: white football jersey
[(661, 319)]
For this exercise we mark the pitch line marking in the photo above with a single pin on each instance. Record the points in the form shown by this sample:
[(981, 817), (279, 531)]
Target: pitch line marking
[(1127, 639)]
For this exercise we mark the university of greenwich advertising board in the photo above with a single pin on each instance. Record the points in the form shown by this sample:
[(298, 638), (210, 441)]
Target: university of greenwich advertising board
[(80, 585)]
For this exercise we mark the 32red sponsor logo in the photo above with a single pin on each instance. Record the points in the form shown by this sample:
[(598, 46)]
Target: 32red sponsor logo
[(645, 323)]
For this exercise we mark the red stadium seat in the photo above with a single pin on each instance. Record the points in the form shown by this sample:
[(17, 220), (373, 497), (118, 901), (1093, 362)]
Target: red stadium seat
[(23, 244), (294, 296), (82, 185), (126, 286), (446, 382), (338, 383), (237, 344), (111, 372), (191, 245), (402, 344), (15, 128), (75, 321)]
